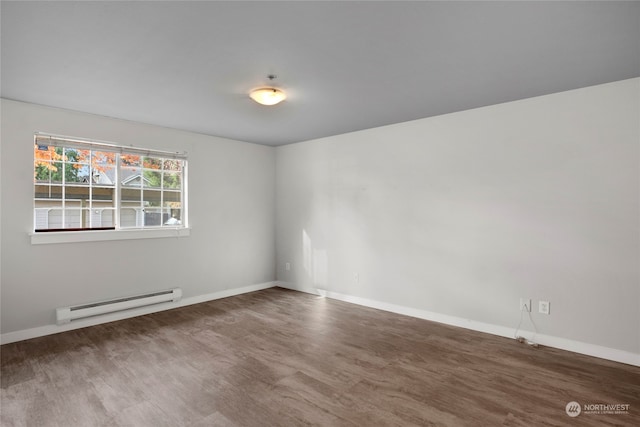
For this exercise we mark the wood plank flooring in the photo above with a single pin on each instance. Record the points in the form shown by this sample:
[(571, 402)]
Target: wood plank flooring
[(283, 358)]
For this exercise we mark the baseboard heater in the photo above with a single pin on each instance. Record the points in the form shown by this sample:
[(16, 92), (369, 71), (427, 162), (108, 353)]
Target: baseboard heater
[(67, 314)]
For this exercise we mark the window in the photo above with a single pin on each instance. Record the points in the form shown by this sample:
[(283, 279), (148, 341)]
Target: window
[(85, 185)]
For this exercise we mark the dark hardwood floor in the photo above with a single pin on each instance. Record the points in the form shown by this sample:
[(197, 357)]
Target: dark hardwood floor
[(283, 358)]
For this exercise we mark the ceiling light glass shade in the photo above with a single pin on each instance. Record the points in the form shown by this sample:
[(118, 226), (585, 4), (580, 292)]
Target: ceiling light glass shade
[(268, 96)]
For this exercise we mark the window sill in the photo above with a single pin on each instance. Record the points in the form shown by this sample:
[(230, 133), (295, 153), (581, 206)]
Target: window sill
[(105, 235)]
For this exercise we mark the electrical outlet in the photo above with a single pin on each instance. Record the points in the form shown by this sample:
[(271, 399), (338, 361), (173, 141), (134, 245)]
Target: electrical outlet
[(525, 304), (357, 277), (543, 307), (287, 266)]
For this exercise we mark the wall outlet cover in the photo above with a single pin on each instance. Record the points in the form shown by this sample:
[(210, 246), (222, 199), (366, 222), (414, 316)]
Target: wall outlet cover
[(543, 307), (525, 304)]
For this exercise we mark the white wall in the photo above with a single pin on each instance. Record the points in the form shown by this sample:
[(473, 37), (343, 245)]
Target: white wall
[(460, 214), (465, 213), (231, 211)]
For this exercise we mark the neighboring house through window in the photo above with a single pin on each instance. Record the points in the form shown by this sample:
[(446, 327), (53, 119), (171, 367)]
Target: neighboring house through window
[(86, 185)]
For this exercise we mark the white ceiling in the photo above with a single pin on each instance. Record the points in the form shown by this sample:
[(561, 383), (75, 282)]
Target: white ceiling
[(346, 66)]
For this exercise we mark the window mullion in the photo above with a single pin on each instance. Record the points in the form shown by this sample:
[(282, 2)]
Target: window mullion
[(141, 209), (162, 193), (183, 208), (117, 193), (63, 189), (90, 179)]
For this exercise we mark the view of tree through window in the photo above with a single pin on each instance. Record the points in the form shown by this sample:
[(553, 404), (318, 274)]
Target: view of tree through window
[(86, 186)]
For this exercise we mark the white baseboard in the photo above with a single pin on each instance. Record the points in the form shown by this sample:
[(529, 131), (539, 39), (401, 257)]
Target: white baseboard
[(40, 331), (545, 340), (293, 287)]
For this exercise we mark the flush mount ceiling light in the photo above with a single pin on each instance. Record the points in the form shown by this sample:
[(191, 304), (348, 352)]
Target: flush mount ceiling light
[(268, 95)]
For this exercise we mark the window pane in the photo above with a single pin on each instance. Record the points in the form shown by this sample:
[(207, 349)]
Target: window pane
[(42, 171), (102, 158), (104, 176), (77, 193), (152, 179), (130, 176), (56, 167), (84, 156), (152, 197), (72, 155), (56, 172), (131, 217), (55, 218), (152, 163), (72, 218), (103, 167), (102, 194), (47, 163), (173, 213), (172, 180), (153, 217), (172, 196), (45, 191), (108, 217), (173, 165), (85, 218), (43, 162), (131, 195), (130, 160), (81, 171), (42, 152), (43, 215), (102, 217), (72, 175), (75, 173)]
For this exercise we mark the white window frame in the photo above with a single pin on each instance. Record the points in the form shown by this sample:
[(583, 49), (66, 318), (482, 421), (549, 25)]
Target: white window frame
[(148, 232)]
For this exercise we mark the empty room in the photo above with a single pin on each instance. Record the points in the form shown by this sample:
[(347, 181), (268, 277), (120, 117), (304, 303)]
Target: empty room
[(331, 213)]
